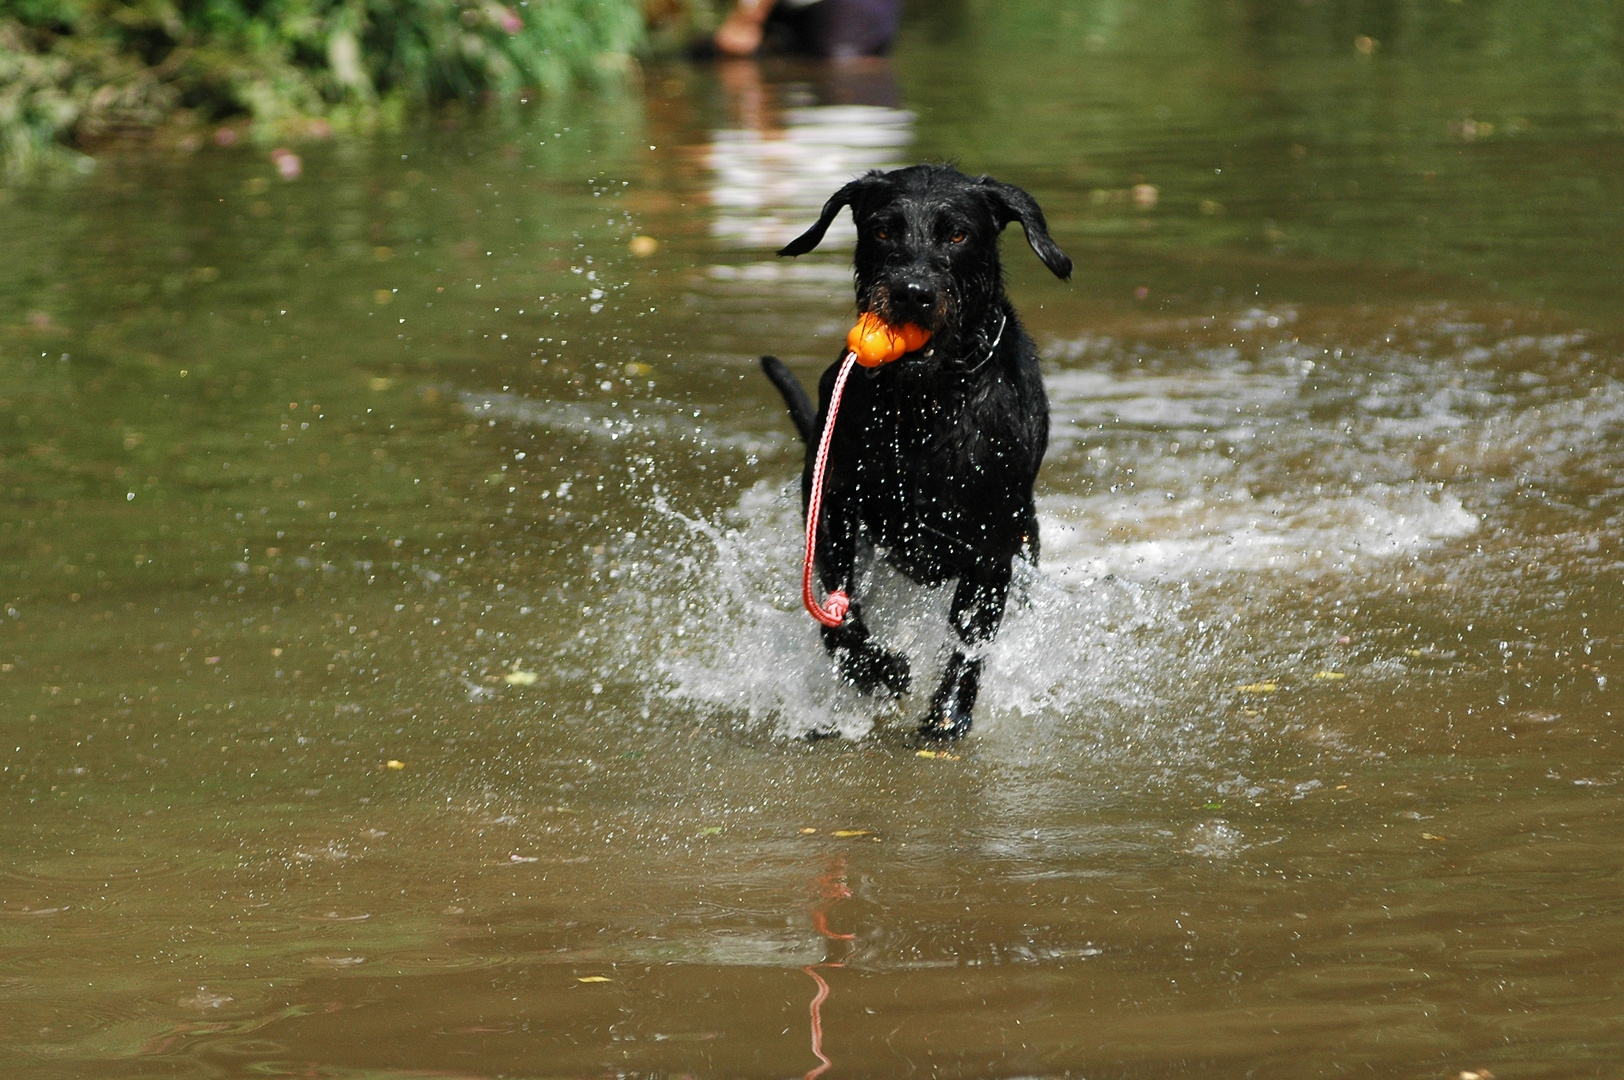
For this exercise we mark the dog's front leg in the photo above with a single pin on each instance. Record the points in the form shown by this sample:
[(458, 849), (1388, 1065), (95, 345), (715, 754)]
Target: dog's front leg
[(862, 663), (978, 608)]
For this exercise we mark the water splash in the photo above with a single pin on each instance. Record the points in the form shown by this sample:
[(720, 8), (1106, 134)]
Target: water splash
[(740, 642), (1204, 533), (1204, 507)]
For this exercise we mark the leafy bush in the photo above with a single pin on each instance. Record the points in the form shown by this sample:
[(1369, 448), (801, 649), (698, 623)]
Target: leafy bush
[(81, 71)]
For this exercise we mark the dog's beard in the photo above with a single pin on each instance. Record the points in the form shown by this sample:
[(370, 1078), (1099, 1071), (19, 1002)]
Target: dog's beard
[(941, 320), (950, 335)]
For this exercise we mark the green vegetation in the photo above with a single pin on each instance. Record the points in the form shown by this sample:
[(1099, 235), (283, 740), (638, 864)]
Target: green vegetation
[(79, 72)]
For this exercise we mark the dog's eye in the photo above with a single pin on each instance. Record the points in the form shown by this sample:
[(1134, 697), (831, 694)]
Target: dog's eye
[(882, 234), (959, 238)]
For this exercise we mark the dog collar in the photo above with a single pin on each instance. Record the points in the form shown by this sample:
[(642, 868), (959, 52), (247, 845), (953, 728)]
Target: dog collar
[(1003, 321)]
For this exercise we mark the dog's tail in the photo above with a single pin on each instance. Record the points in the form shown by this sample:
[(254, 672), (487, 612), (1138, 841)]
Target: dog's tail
[(801, 409)]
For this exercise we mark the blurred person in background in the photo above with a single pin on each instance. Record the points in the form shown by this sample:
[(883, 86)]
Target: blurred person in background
[(835, 29)]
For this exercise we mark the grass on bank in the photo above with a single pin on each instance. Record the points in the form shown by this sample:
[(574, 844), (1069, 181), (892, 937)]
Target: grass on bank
[(78, 73)]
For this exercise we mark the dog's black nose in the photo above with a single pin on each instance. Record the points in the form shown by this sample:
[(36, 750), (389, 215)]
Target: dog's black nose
[(919, 294)]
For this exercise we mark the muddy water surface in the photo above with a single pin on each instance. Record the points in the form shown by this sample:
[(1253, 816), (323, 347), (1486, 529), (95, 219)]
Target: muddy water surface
[(402, 671)]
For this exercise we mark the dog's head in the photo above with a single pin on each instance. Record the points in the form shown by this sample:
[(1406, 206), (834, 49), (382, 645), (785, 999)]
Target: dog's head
[(927, 243)]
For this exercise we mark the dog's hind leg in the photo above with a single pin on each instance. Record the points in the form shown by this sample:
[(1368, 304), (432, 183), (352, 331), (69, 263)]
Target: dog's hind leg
[(978, 608)]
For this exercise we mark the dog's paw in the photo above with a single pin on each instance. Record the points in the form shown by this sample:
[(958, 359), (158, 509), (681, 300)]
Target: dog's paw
[(954, 701), (869, 668)]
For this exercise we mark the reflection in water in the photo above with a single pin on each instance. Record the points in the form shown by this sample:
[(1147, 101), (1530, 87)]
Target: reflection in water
[(832, 888), (817, 1018), (771, 174)]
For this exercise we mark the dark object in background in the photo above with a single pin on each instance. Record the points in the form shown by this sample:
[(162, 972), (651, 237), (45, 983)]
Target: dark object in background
[(831, 29), (834, 29), (935, 454)]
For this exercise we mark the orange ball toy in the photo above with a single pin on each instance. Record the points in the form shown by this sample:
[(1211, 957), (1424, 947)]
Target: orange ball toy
[(876, 342)]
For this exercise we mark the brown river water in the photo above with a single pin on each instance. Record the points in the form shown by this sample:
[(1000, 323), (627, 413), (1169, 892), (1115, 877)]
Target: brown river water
[(401, 666)]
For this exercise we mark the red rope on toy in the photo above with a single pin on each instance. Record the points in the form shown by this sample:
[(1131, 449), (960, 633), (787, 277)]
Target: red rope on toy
[(834, 613), (871, 342)]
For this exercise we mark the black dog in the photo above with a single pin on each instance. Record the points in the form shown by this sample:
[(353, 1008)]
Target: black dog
[(934, 455)]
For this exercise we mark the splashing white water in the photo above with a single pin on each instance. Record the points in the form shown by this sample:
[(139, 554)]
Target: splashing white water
[(1186, 502), (742, 642), (1103, 644), (1152, 538)]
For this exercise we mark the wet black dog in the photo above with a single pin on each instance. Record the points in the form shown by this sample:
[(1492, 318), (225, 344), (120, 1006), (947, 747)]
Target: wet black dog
[(934, 455)]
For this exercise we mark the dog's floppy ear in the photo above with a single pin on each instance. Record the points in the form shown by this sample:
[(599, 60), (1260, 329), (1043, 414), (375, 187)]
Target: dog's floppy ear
[(1010, 203), (846, 196)]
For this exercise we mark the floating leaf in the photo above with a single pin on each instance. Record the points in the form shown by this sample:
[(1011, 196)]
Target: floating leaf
[(593, 978), (520, 678), (709, 830), (1259, 688), (1330, 676), (392, 763), (938, 754), (852, 832), (808, 832)]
